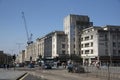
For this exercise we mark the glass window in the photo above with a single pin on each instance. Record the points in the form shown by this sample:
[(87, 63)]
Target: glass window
[(118, 52), (87, 38), (114, 44), (63, 52), (81, 52), (91, 51), (91, 36), (114, 53), (87, 45), (63, 45), (91, 44), (86, 51), (81, 39), (81, 45), (63, 39)]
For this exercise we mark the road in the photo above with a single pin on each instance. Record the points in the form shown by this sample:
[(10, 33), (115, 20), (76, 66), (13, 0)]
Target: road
[(58, 74), (62, 74)]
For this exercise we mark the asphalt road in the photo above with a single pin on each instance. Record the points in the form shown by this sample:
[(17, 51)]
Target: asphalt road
[(62, 74), (31, 77)]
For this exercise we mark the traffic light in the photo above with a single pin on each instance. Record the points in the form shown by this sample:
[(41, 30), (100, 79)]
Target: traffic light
[(14, 57)]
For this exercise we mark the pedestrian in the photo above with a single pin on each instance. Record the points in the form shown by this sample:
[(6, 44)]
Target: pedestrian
[(4, 66), (70, 67), (7, 66)]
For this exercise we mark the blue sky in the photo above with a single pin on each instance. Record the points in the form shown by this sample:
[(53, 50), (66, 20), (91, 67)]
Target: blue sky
[(44, 16)]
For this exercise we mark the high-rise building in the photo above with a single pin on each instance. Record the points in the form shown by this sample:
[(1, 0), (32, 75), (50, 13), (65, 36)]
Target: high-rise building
[(73, 25)]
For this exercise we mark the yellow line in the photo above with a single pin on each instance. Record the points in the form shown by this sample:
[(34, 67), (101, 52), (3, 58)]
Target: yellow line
[(23, 77)]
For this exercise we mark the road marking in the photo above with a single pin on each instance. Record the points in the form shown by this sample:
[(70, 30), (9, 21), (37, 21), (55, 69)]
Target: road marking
[(23, 77)]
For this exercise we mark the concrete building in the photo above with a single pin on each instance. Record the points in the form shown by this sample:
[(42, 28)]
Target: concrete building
[(52, 44), (30, 53), (101, 44), (20, 58), (5, 58), (40, 46), (73, 25)]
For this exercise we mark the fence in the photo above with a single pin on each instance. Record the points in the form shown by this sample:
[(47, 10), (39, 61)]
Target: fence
[(109, 73)]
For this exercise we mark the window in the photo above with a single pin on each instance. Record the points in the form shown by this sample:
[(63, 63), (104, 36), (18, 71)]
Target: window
[(63, 46), (63, 52), (74, 45), (81, 39), (63, 39), (118, 52), (86, 51), (74, 39), (74, 52), (106, 37), (81, 45), (87, 45), (91, 36), (106, 44), (91, 44), (114, 53), (101, 43), (81, 52), (87, 38), (91, 51), (118, 44), (106, 52), (114, 44)]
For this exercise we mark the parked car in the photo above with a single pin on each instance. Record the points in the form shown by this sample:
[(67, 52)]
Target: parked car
[(1, 65), (78, 69), (47, 66), (31, 65)]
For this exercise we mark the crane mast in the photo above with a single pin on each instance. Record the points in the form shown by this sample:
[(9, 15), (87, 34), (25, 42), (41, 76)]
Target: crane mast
[(29, 38)]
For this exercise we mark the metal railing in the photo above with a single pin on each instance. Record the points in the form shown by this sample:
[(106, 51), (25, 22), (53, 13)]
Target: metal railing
[(107, 72)]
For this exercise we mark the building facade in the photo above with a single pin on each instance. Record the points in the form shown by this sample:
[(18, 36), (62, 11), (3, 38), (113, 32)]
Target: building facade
[(92, 43), (55, 44), (30, 53), (73, 25), (40, 46), (5, 58), (101, 44)]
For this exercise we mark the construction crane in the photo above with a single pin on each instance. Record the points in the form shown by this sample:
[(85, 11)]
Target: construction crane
[(29, 37)]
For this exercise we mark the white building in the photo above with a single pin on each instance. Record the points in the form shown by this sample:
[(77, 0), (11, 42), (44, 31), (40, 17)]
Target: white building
[(40, 46), (101, 44), (20, 58), (52, 44), (30, 52)]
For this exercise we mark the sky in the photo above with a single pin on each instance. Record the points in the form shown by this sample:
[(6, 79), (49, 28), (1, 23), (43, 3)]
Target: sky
[(45, 16)]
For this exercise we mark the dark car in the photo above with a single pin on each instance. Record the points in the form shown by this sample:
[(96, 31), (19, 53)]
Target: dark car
[(1, 65), (78, 69), (31, 65), (47, 66)]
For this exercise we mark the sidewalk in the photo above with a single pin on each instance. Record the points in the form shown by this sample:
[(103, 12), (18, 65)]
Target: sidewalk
[(10, 74)]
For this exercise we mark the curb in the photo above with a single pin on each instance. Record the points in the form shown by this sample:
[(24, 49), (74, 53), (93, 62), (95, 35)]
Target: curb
[(20, 78)]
